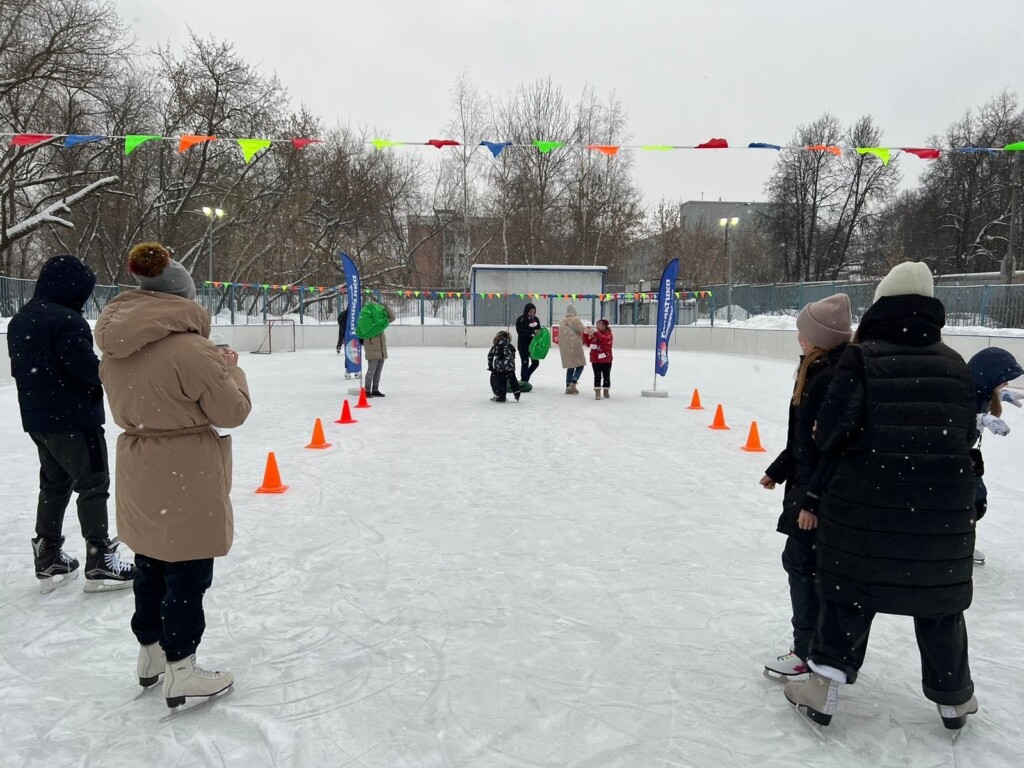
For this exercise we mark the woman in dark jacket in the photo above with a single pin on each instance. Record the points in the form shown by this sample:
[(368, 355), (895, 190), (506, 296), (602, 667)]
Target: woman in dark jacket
[(823, 331), (896, 521), (527, 325)]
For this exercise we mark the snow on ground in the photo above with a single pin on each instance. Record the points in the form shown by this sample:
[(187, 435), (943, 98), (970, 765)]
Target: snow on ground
[(558, 582)]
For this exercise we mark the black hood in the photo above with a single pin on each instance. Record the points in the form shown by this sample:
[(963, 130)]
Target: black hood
[(65, 280), (990, 368), (528, 307)]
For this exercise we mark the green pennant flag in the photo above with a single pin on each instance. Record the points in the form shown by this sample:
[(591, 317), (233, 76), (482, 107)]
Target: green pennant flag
[(416, 294), (882, 153), (546, 146), (385, 143), (657, 147), (1017, 146), (131, 142), (251, 146)]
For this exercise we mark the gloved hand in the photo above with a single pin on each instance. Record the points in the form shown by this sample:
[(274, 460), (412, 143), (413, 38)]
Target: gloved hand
[(994, 424), (1011, 397)]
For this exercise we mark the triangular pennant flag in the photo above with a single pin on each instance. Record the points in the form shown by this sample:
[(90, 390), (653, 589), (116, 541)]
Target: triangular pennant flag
[(188, 141), (604, 149), (408, 294), (1017, 146), (416, 294), (76, 139), (251, 146), (825, 148), (303, 143), (882, 153), (133, 141), (439, 143), (385, 143), (714, 144), (974, 150), (28, 139), (496, 147), (546, 146), (925, 153), (657, 147), (458, 294), (762, 145)]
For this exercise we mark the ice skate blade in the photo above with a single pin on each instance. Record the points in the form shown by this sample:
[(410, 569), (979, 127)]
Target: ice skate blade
[(93, 586), (810, 714), (48, 584), (173, 702), (149, 682), (773, 674)]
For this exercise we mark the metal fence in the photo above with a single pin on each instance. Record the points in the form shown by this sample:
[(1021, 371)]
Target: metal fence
[(992, 306)]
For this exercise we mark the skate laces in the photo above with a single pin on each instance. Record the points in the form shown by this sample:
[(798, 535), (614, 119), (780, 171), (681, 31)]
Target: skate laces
[(112, 559), (64, 558)]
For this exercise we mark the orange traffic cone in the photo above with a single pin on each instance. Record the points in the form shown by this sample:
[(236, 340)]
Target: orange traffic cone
[(753, 440), (363, 402), (346, 415), (318, 440), (695, 402), (719, 422), (271, 477)]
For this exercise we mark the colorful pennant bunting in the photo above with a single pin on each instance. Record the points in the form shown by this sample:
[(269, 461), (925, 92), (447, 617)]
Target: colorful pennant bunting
[(131, 142), (75, 140), (713, 144), (440, 143), (188, 141), (546, 146), (251, 146), (303, 143), (604, 149), (763, 145), (925, 153), (825, 148), (28, 139), (496, 147), (882, 153)]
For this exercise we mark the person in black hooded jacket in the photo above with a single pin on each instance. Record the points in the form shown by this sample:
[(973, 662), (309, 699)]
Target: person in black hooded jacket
[(991, 370), (896, 519), (527, 325), (61, 399), (823, 331)]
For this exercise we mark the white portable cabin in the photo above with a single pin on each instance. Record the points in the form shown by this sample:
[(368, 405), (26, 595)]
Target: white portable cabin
[(510, 280)]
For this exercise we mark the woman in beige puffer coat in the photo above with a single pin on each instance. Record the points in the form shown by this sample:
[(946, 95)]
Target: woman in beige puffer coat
[(570, 347)]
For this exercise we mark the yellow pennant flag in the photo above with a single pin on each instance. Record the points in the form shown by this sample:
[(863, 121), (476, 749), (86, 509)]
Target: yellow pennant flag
[(251, 146)]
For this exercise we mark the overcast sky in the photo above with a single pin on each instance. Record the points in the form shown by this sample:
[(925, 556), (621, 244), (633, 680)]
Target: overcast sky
[(744, 70)]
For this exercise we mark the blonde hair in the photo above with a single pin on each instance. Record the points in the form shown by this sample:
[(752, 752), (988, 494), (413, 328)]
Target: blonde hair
[(801, 374), (995, 403)]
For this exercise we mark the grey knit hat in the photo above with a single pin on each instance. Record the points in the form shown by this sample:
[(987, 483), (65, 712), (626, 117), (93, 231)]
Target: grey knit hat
[(570, 311), (154, 269), (908, 277), (826, 323)]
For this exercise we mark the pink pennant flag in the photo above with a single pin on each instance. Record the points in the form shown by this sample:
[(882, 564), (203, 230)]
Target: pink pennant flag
[(28, 139), (303, 143)]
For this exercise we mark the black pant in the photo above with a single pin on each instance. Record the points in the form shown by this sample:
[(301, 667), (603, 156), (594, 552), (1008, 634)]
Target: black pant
[(602, 371), (529, 365), (799, 560), (842, 639), (72, 461), (341, 334), (169, 604), (500, 383)]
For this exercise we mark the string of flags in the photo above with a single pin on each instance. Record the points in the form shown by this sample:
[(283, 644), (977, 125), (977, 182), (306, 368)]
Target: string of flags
[(409, 293), (251, 147)]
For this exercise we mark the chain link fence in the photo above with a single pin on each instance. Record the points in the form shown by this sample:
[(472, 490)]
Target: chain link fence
[(990, 306)]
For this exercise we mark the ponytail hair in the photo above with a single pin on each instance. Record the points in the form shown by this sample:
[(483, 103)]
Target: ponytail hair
[(801, 374)]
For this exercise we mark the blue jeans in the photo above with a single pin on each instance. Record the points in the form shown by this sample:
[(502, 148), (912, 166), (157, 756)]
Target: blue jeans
[(572, 375)]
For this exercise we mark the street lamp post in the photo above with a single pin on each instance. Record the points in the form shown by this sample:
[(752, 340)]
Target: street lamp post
[(212, 214), (727, 223)]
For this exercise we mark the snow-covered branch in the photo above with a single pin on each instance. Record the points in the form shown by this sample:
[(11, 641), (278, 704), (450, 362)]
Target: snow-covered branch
[(52, 213)]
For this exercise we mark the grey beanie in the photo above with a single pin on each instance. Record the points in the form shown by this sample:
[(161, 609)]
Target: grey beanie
[(826, 323), (570, 311), (908, 277), (154, 269)]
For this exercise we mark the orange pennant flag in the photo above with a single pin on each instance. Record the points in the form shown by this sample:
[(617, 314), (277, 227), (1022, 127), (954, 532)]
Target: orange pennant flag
[(826, 148), (189, 141), (604, 149)]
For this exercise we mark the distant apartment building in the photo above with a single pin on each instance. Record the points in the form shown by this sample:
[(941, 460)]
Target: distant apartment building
[(444, 246)]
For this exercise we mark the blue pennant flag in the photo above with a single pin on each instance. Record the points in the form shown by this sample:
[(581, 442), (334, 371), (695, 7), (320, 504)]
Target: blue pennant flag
[(75, 140), (496, 147), (762, 145)]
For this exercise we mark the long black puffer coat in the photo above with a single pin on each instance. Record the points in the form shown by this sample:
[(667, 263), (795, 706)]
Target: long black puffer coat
[(896, 522)]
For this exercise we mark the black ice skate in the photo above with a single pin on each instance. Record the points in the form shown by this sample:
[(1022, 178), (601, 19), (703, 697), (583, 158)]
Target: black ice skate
[(105, 571), (54, 567)]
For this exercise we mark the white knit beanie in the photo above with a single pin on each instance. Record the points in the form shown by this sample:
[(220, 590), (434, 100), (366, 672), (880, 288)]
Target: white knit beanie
[(908, 277)]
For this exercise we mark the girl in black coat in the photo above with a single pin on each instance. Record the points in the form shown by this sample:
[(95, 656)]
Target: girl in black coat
[(896, 520), (823, 330), (501, 362)]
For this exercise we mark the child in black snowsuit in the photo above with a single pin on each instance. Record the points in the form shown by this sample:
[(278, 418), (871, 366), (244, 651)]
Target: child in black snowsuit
[(501, 362)]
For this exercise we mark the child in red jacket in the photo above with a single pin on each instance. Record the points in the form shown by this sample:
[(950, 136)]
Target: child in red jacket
[(600, 341)]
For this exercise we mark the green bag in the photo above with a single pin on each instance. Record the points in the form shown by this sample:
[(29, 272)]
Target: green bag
[(524, 386), (373, 321), (540, 345)]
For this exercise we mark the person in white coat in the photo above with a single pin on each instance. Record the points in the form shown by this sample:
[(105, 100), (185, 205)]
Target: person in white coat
[(570, 347)]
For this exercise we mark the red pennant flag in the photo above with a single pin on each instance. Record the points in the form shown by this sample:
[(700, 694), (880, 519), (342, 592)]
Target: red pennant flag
[(186, 142), (826, 148), (714, 144), (923, 153), (303, 143), (604, 149), (442, 143), (28, 139)]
